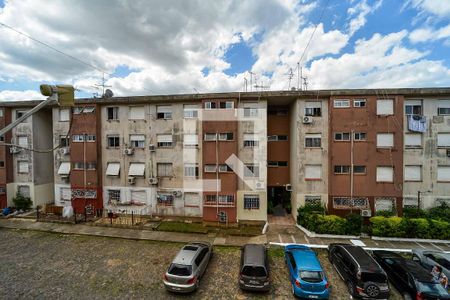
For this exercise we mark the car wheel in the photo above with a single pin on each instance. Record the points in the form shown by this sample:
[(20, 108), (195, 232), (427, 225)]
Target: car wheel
[(293, 290), (407, 296), (350, 288), (372, 290)]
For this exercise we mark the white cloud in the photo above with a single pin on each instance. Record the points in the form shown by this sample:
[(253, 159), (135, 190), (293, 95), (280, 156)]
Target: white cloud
[(20, 95), (439, 8), (429, 34), (359, 14)]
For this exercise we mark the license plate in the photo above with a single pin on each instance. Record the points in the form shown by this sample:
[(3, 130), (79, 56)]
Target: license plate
[(253, 282), (313, 296)]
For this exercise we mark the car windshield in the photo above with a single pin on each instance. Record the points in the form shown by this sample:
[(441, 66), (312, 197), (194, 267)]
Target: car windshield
[(311, 276), (374, 277), (431, 288), (254, 271), (442, 261), (180, 270)]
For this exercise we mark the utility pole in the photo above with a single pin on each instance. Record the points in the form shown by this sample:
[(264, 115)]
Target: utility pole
[(298, 76)]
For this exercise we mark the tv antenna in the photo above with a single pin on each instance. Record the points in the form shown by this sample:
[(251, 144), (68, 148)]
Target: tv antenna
[(290, 76), (245, 84), (251, 80), (103, 85)]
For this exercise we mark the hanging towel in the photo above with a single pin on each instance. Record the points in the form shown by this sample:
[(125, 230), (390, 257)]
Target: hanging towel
[(417, 123)]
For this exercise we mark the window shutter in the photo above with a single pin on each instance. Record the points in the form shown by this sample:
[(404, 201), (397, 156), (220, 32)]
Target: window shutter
[(137, 113), (315, 104), (413, 173), (137, 137), (385, 174), (164, 109), (385, 140), (313, 171), (164, 138), (443, 140), (136, 169), (443, 173), (190, 139), (64, 168), (385, 107), (191, 199), (113, 169), (413, 140)]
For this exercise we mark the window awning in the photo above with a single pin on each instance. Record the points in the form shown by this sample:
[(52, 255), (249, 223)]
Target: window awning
[(164, 109), (113, 169), (64, 168), (315, 104), (250, 137), (164, 138), (137, 137), (136, 169)]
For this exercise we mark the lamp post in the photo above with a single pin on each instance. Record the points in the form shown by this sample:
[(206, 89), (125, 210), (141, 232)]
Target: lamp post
[(418, 198)]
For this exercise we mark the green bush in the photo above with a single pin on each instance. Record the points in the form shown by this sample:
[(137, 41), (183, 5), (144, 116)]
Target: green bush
[(21, 202), (389, 227), (441, 212), (386, 213), (415, 228), (306, 215), (414, 213), (354, 223), (439, 229), (331, 224)]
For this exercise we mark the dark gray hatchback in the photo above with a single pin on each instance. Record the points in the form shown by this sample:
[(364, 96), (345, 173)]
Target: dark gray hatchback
[(254, 269)]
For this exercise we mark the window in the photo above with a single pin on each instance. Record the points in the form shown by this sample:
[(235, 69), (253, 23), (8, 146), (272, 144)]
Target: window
[(2, 138), (24, 190), (163, 199), (78, 166), (251, 170), (22, 167), (443, 140), (226, 199), (113, 141), (164, 140), (226, 105), (225, 169), (65, 194), (20, 113), (313, 172), (2, 163), (63, 141), (190, 111), (113, 169), (359, 103), (1, 113), (210, 136), (91, 165), (341, 169), (313, 140), (385, 140), (190, 140), (443, 173), (413, 173), (341, 103), (64, 168), (23, 141), (359, 136), (210, 105), (385, 174), (113, 196), (275, 138), (444, 108), (359, 169), (413, 107), (210, 168), (137, 141), (385, 107), (313, 200), (250, 109), (384, 204), (228, 136), (78, 138), (410, 202), (250, 140), (347, 202), (90, 138), (83, 109), (164, 112), (191, 199), (190, 170), (112, 113), (342, 136), (413, 140), (64, 114), (136, 169), (313, 109), (251, 201), (277, 163), (136, 113), (165, 169)]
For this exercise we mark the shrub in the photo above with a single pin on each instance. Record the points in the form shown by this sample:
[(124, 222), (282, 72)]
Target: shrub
[(354, 222), (386, 213), (414, 213), (331, 224), (441, 212), (21, 202), (306, 214), (389, 227), (439, 229), (418, 227)]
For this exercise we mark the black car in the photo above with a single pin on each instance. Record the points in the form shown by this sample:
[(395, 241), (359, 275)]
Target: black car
[(363, 276), (254, 269), (410, 278)]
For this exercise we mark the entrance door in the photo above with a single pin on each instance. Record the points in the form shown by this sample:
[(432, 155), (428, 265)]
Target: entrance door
[(279, 200)]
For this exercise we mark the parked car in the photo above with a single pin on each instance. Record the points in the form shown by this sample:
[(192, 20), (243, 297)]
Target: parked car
[(254, 268), (188, 267), (363, 276), (429, 259), (411, 279), (305, 273)]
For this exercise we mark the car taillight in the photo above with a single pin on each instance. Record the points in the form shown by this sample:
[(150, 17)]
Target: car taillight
[(327, 285), (359, 290), (358, 275), (165, 277), (192, 280), (297, 283), (419, 296)]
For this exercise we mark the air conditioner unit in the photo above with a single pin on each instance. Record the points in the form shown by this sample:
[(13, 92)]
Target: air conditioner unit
[(128, 151), (366, 213), (153, 180), (131, 180), (288, 187), (260, 185), (65, 178), (14, 150), (177, 193), (152, 148), (307, 120), (448, 152), (65, 151), (223, 217)]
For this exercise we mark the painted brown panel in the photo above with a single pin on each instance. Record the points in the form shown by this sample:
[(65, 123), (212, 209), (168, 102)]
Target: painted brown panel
[(278, 150)]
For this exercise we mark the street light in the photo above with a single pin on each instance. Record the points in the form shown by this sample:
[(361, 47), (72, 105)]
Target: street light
[(418, 198)]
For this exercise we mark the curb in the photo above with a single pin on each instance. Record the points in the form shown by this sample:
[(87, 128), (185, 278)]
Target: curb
[(394, 239), (330, 236)]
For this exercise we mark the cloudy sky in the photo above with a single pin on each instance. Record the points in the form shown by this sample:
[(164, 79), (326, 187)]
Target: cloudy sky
[(190, 46)]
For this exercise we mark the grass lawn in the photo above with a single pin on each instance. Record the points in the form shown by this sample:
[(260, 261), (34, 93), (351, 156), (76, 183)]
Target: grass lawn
[(182, 227)]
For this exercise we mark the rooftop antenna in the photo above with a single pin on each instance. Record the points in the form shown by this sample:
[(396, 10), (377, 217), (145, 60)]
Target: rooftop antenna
[(305, 82), (299, 71), (245, 84), (251, 80), (103, 85), (290, 75)]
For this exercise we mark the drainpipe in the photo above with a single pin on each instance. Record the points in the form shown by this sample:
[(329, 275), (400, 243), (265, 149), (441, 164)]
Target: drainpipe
[(351, 171)]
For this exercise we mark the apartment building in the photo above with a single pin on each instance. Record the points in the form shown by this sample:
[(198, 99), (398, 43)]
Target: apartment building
[(6, 169), (227, 157)]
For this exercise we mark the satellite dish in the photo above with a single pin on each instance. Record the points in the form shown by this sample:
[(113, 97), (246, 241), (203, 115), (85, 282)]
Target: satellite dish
[(108, 93)]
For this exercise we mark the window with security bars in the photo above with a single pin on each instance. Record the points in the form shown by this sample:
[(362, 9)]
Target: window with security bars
[(113, 141), (226, 199), (251, 143), (313, 141), (190, 170), (113, 196), (440, 201), (312, 200), (24, 190), (164, 199), (313, 111), (251, 202), (347, 203), (410, 202), (384, 204), (164, 169)]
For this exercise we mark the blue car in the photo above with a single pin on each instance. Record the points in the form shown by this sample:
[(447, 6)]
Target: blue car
[(305, 273)]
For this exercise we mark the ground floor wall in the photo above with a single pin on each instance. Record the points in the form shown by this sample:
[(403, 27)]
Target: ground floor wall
[(373, 207), (39, 194), (211, 214), (63, 195), (247, 214), (298, 200)]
